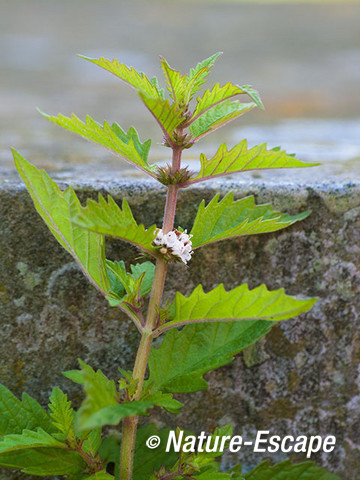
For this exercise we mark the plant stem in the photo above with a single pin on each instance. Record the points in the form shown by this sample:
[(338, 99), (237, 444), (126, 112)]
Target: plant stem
[(130, 423)]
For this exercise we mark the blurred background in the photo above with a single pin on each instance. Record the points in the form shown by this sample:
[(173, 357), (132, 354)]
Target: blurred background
[(304, 58)]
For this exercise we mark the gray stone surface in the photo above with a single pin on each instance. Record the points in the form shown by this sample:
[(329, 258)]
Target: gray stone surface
[(303, 379)]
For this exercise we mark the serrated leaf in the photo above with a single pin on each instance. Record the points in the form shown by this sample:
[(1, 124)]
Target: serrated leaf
[(176, 82), (183, 87), (28, 439), (197, 76), (217, 117), (75, 376), (93, 441), (241, 159), (142, 149), (58, 209), (100, 392), (17, 415), (122, 281), (182, 359), (101, 405), (289, 471), (62, 414), (237, 304), (126, 145), (129, 75), (43, 461), (168, 116), (218, 94), (147, 460), (107, 218), (113, 414), (227, 218), (164, 400)]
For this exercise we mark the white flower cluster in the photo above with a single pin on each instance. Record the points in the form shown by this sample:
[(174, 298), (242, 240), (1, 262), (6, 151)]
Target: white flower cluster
[(175, 243)]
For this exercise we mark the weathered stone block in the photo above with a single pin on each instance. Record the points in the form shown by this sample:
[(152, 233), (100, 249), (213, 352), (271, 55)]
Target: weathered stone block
[(304, 378)]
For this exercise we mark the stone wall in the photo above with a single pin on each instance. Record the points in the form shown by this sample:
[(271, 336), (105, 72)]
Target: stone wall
[(304, 378)]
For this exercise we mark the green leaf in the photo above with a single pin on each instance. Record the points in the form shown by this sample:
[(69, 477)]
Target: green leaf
[(122, 281), (92, 443), (126, 145), (38, 453), (62, 414), (16, 415), (288, 471), (218, 94), (183, 357), (147, 460), (43, 461), (197, 76), (28, 439), (142, 149), (218, 116), (100, 392), (103, 475), (168, 116), (58, 209), (107, 218), (176, 83), (110, 451), (113, 414), (164, 400), (241, 159), (75, 376), (221, 220), (129, 75), (237, 304), (183, 87), (101, 405)]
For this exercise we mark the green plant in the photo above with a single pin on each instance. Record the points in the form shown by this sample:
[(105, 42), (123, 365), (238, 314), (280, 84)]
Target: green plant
[(215, 325)]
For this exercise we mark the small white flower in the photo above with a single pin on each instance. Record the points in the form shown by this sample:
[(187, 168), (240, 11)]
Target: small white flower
[(171, 239), (174, 244), (159, 239)]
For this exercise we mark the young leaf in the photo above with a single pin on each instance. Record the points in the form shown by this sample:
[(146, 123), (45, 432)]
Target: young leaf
[(126, 145), (228, 218), (218, 94), (289, 471), (241, 159), (129, 75), (183, 87), (107, 218), (57, 209), (197, 76), (218, 116), (176, 83), (92, 442), (100, 392), (168, 116), (164, 400), (237, 304), (16, 415), (62, 414), (124, 285), (183, 357), (101, 405), (113, 414)]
